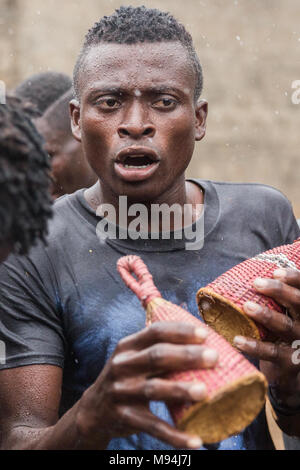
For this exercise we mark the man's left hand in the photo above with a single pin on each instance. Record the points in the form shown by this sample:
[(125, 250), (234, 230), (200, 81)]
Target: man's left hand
[(279, 360)]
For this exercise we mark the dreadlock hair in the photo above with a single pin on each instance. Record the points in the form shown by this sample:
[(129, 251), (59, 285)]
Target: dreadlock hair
[(132, 25), (25, 202), (43, 89)]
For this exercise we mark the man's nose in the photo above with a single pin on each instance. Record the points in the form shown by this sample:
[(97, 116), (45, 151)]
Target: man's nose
[(136, 123)]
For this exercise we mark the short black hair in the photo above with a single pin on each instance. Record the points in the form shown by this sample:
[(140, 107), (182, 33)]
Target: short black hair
[(131, 25), (58, 116), (43, 89), (25, 202)]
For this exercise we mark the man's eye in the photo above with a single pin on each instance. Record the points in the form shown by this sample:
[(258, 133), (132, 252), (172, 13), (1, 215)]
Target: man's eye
[(165, 103), (109, 103)]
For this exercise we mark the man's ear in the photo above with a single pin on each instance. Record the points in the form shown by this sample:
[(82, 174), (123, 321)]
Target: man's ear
[(75, 119), (201, 111)]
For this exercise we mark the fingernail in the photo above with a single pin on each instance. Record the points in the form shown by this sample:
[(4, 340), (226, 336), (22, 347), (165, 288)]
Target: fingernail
[(210, 357), (197, 391), (239, 340), (260, 283), (279, 273), (252, 307), (194, 442), (201, 333), (122, 357)]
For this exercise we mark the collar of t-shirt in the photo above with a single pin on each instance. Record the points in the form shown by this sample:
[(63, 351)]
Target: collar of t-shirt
[(167, 241)]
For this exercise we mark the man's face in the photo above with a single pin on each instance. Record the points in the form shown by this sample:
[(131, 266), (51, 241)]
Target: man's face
[(69, 168), (137, 119)]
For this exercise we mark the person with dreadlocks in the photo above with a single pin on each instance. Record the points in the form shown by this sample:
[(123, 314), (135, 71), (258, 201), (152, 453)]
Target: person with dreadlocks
[(70, 169), (82, 371), (25, 205)]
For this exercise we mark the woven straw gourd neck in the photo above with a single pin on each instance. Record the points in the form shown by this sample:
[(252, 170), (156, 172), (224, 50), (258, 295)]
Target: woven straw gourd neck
[(143, 286)]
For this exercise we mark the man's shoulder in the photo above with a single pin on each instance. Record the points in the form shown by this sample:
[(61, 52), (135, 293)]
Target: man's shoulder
[(252, 188), (67, 213), (64, 203), (249, 194), (257, 207)]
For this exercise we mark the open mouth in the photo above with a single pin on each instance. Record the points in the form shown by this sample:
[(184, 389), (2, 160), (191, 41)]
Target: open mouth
[(137, 161), (136, 164)]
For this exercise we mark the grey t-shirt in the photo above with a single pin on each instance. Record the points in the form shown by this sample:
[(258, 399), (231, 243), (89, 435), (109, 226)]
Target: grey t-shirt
[(66, 305)]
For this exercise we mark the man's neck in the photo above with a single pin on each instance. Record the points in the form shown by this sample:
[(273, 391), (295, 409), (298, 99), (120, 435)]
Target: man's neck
[(184, 193)]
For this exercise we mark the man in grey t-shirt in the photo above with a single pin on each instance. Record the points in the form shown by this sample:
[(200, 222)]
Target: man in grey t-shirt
[(89, 375)]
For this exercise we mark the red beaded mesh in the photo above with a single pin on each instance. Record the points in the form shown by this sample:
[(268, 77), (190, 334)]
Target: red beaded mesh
[(232, 366), (236, 285)]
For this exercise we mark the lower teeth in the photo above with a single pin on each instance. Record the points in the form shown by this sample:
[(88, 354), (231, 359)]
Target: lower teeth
[(135, 166)]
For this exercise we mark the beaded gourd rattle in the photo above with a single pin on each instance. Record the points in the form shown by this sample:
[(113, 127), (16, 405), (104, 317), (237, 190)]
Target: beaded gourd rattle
[(235, 388)]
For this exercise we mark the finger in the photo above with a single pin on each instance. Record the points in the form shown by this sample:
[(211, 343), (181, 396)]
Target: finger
[(282, 325), (163, 358), (276, 353), (289, 276), (158, 389), (284, 294), (144, 421), (161, 332)]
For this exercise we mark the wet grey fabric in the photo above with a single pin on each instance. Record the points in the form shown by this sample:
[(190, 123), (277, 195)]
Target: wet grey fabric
[(291, 443), (66, 305)]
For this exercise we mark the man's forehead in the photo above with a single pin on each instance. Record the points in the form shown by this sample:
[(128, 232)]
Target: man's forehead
[(157, 64)]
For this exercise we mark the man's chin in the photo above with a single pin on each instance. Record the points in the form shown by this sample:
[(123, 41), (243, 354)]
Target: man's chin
[(139, 191)]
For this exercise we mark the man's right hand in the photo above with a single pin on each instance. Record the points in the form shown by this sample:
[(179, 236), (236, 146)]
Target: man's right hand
[(117, 404)]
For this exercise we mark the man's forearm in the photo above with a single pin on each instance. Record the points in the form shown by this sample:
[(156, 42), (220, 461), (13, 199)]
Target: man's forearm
[(64, 435)]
